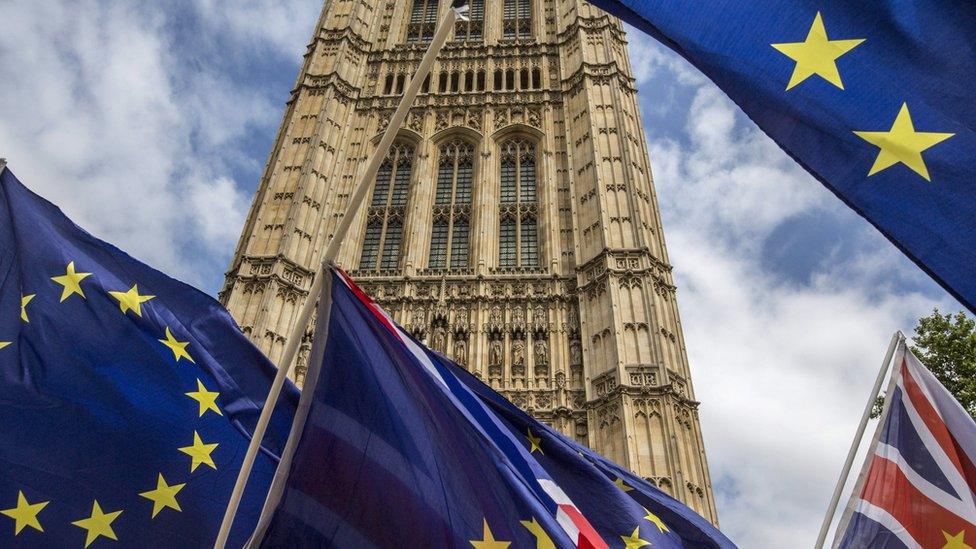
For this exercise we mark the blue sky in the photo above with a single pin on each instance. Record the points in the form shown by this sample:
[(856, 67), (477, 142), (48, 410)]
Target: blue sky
[(150, 123)]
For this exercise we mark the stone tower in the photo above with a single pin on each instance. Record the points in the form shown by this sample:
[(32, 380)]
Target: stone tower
[(512, 226)]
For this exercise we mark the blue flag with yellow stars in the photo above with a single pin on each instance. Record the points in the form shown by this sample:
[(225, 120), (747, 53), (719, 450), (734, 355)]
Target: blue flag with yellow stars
[(394, 445), (874, 98), (126, 397)]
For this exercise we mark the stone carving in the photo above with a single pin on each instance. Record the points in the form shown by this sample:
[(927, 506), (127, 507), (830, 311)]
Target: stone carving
[(541, 353), (575, 354), (460, 351), (518, 353), (495, 318), (539, 318), (495, 353), (439, 342)]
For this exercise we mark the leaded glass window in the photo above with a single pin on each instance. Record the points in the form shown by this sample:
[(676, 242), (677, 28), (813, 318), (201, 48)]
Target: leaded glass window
[(450, 240), (423, 20), (517, 19), (518, 230), (384, 227), (473, 29)]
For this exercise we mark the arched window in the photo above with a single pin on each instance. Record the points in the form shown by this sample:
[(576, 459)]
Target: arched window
[(449, 241), (473, 29), (423, 19), (510, 79), (517, 19), (499, 84), (443, 82), (388, 87), (536, 79), (384, 225), (400, 80), (481, 81), (524, 79), (518, 232), (426, 87), (469, 81)]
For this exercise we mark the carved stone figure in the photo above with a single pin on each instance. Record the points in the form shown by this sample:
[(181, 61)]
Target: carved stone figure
[(518, 353), (460, 351), (495, 353), (575, 354), (540, 318), (439, 342), (541, 353), (518, 317)]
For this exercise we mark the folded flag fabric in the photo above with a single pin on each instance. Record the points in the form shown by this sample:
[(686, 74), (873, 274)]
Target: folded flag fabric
[(872, 98), (394, 445), (917, 485), (595, 482), (126, 397)]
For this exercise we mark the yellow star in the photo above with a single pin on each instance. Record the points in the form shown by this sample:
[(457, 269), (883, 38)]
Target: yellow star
[(534, 442), (24, 300), (200, 453), (25, 514), (902, 144), (4, 344), (206, 399), (488, 541), (656, 520), (957, 541), (131, 300), (634, 541), (98, 524), (620, 484), (178, 347), (71, 280), (542, 539), (163, 496), (816, 55)]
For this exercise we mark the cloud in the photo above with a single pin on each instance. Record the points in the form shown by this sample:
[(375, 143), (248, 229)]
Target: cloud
[(108, 111), (781, 364)]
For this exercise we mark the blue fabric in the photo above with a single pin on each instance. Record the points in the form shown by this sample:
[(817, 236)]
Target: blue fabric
[(589, 479), (93, 407), (919, 53), (391, 455)]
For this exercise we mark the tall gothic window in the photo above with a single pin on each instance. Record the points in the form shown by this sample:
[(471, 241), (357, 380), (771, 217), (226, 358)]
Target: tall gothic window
[(384, 225), (517, 19), (473, 29), (423, 20), (518, 233), (449, 243)]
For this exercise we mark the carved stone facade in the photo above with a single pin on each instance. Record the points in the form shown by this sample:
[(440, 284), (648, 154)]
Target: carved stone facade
[(514, 226)]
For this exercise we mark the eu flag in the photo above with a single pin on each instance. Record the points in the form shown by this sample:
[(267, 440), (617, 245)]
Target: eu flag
[(874, 98), (396, 446), (126, 397)]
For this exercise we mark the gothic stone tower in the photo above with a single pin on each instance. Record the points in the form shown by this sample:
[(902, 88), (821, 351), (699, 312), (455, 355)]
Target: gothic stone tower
[(513, 225)]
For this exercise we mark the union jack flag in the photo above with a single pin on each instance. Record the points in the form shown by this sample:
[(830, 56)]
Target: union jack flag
[(916, 487)]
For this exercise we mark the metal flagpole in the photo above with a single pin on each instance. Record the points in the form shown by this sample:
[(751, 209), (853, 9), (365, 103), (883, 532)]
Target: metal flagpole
[(305, 315), (897, 339)]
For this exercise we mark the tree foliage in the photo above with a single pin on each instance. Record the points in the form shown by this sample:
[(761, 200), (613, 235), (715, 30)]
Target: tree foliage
[(946, 345)]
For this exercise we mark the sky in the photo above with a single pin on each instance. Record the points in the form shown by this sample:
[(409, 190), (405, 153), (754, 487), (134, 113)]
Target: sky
[(149, 123)]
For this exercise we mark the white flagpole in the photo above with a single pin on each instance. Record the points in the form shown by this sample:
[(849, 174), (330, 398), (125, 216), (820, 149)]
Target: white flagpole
[(305, 315), (897, 339)]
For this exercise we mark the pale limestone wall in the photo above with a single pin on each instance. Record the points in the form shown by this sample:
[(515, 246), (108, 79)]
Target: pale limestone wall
[(603, 357)]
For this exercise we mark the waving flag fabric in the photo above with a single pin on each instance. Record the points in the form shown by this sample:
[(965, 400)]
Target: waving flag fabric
[(874, 98), (394, 445), (126, 397), (917, 485)]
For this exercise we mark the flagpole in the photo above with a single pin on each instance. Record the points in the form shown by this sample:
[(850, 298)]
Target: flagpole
[(897, 339), (331, 252)]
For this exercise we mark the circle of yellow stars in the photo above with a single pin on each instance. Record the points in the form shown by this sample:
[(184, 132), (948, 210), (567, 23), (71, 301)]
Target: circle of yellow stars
[(902, 144), (26, 514)]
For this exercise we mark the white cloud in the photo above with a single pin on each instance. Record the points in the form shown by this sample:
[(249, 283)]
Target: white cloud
[(782, 368), (103, 113)]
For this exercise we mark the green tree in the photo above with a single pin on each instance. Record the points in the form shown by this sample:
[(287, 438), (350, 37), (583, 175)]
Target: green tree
[(946, 344)]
